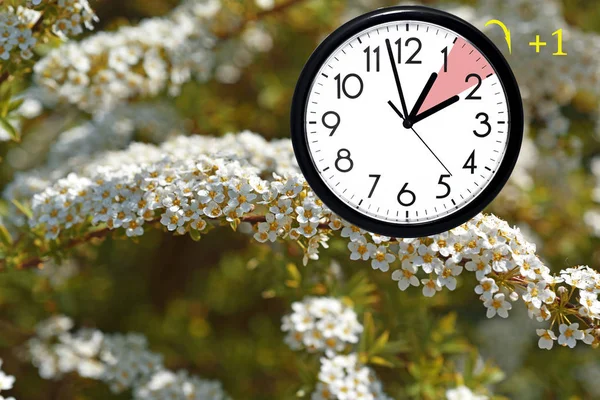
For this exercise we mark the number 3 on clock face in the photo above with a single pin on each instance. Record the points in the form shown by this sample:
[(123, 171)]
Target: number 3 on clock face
[(407, 121)]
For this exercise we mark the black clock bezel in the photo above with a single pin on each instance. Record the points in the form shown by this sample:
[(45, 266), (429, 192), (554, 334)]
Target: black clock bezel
[(392, 14)]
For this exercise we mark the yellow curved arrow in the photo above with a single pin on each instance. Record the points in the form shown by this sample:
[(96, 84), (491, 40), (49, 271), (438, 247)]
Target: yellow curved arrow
[(504, 28)]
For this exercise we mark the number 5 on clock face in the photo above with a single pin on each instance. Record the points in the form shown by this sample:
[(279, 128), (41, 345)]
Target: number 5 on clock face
[(406, 126)]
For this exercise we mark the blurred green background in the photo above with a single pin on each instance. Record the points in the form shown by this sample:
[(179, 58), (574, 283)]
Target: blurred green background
[(214, 307)]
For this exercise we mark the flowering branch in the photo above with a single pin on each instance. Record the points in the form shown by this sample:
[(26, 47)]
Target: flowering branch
[(38, 262), (100, 72), (191, 183)]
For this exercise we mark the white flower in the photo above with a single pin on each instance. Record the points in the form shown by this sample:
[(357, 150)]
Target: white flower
[(463, 393), (406, 276), (5, 49), (267, 231), (500, 260), (569, 335), (547, 338), (359, 250), (308, 229), (282, 209), (381, 259), (590, 306), (447, 274), (6, 381), (486, 288), (172, 219), (480, 265), (497, 305), (427, 259), (309, 212), (265, 4), (538, 293), (352, 232), (430, 286), (25, 39)]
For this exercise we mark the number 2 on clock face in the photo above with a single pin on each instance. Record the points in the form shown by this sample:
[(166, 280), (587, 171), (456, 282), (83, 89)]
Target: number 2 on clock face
[(407, 122)]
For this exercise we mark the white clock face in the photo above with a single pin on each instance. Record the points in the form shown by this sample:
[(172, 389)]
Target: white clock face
[(407, 122)]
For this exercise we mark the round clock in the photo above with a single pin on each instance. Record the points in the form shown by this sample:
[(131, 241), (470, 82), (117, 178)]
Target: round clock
[(407, 121)]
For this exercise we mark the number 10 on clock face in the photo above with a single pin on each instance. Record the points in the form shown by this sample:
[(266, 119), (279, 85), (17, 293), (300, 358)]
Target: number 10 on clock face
[(406, 122)]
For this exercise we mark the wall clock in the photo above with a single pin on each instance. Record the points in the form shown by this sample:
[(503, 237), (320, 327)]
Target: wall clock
[(407, 121)]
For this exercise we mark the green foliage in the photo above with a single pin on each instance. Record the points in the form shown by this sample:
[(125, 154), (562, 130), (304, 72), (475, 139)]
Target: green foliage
[(212, 303)]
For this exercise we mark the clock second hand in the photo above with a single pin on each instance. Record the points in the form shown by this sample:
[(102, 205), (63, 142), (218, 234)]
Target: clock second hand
[(420, 138)]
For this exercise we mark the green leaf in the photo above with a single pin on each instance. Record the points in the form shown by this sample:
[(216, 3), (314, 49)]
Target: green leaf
[(195, 235), (368, 332), (379, 343), (293, 271), (381, 361), (447, 324), (12, 132), (396, 347), (15, 104), (5, 92), (23, 208), (5, 236), (454, 347)]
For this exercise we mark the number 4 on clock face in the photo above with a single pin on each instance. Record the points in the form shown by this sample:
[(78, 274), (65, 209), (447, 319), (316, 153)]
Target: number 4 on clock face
[(406, 122)]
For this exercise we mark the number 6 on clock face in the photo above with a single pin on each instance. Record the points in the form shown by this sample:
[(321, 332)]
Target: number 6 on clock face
[(407, 121)]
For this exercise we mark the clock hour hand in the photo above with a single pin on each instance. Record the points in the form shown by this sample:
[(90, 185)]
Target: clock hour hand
[(415, 132), (396, 77), (435, 109), (422, 96)]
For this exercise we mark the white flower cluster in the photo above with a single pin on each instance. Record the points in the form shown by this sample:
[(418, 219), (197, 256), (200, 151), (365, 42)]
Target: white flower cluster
[(6, 383), (179, 385), (121, 361), (73, 17), (17, 37), (581, 283), (247, 147), (321, 324), (343, 377), (141, 61), (504, 263)]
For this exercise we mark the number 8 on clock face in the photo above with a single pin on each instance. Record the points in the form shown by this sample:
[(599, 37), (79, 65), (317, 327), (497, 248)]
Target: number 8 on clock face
[(407, 121)]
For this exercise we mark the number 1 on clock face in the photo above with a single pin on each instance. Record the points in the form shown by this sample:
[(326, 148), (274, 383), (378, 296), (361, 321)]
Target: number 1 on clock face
[(407, 122)]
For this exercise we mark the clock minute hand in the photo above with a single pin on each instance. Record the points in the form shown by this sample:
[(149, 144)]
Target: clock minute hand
[(396, 77), (435, 109)]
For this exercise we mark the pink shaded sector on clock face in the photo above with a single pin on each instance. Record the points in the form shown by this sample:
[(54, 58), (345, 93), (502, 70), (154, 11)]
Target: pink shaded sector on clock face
[(463, 60)]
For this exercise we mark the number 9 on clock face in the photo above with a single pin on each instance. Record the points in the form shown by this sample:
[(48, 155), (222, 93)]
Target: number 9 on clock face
[(407, 121)]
